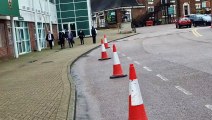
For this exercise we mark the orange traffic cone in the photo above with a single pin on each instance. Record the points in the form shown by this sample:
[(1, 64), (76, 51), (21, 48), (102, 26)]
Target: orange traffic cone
[(136, 106), (105, 42), (117, 69), (104, 53)]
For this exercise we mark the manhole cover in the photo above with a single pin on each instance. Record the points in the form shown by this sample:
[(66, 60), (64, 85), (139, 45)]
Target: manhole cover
[(47, 62)]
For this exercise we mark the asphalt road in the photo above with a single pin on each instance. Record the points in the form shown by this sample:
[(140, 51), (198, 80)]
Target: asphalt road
[(174, 69)]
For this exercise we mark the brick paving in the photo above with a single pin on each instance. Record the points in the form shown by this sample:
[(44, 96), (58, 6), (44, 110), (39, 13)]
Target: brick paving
[(38, 86)]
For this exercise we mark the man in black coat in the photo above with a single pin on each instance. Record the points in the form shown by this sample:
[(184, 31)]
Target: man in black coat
[(93, 33), (81, 36), (50, 38), (62, 39)]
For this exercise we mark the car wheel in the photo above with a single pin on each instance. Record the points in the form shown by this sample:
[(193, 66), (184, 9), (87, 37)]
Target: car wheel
[(205, 24), (194, 25), (189, 26)]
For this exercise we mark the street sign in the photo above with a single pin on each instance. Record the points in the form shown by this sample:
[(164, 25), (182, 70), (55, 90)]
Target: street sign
[(171, 10), (20, 18), (111, 16), (9, 8)]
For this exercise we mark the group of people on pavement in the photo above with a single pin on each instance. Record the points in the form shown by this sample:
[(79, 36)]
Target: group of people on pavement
[(69, 36)]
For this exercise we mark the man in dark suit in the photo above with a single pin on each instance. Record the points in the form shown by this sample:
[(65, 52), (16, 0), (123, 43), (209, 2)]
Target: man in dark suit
[(93, 33), (81, 36), (50, 38)]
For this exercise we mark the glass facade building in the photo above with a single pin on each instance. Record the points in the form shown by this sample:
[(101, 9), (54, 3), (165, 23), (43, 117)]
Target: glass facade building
[(74, 15)]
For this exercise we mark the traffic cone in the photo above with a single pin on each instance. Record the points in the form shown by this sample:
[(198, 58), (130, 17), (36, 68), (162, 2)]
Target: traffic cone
[(117, 69), (136, 106), (105, 42), (104, 52)]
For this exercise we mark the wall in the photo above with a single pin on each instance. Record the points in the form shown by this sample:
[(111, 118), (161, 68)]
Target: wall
[(32, 35), (41, 7), (7, 49)]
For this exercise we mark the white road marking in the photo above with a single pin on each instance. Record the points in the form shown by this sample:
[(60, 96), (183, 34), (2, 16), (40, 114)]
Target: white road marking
[(209, 106), (123, 55), (147, 68), (183, 90), (137, 62), (162, 78), (129, 58)]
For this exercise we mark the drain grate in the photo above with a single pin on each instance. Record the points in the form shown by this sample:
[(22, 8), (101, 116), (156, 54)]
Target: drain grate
[(32, 61), (48, 62), (85, 55)]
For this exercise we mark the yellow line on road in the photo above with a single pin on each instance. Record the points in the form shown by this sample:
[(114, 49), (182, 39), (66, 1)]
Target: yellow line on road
[(194, 31)]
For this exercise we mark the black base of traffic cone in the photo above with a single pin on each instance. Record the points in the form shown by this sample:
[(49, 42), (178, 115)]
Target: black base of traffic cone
[(104, 59), (117, 76)]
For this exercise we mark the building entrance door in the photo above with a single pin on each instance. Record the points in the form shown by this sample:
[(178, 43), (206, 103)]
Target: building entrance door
[(2, 35), (20, 43), (70, 26), (186, 10)]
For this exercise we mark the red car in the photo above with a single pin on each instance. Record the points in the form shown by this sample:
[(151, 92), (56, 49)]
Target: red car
[(183, 22)]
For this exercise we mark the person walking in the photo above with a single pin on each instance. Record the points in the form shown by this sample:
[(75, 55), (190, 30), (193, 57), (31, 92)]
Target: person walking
[(93, 33), (62, 39), (70, 39), (81, 36), (50, 38)]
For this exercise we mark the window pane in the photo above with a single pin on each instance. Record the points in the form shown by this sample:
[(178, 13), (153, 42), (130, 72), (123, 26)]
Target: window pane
[(26, 33), (28, 46), (82, 13), (66, 7), (82, 5)]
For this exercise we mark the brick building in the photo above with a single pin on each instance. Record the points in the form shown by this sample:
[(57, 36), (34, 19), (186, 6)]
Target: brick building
[(139, 11), (23, 26)]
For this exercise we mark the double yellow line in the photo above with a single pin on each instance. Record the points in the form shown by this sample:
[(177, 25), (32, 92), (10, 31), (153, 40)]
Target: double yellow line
[(194, 31)]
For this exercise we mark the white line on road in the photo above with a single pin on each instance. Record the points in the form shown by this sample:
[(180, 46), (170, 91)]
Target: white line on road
[(136, 62), (209, 106), (123, 54), (129, 58), (183, 90), (147, 68), (161, 77)]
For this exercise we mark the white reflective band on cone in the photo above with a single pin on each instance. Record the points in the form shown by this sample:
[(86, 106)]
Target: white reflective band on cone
[(116, 58), (105, 40), (136, 98), (103, 48)]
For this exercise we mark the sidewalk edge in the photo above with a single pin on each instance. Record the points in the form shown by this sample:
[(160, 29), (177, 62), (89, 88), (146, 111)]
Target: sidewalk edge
[(73, 98)]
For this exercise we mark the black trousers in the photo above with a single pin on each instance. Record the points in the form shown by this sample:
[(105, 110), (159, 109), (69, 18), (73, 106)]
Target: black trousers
[(62, 43), (82, 40), (94, 39), (50, 44), (70, 43)]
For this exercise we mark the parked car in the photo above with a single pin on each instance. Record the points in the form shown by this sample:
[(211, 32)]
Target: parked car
[(196, 19), (206, 19), (184, 21)]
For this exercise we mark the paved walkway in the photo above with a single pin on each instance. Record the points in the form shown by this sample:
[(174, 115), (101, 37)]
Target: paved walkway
[(37, 86)]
